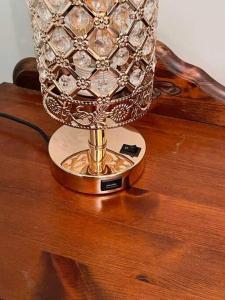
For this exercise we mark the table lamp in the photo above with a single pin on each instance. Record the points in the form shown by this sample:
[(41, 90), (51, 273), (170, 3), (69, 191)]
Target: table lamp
[(96, 61)]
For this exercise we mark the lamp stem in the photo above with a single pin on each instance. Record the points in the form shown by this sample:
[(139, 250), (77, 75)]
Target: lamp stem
[(97, 151)]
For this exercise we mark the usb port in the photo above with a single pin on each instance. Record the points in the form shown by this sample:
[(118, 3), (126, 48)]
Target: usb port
[(111, 184)]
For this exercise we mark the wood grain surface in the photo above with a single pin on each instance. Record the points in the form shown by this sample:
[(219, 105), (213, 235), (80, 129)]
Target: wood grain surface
[(186, 91), (162, 239)]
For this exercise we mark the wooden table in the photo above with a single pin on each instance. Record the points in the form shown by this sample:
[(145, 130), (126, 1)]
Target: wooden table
[(162, 239)]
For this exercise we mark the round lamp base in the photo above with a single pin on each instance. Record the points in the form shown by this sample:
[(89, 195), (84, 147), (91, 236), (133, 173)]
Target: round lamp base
[(68, 150)]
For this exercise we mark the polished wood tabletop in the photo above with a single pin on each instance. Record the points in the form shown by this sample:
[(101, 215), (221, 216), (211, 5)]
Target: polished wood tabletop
[(164, 238)]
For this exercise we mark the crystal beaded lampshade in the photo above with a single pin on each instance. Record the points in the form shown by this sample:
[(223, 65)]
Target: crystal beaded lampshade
[(96, 59)]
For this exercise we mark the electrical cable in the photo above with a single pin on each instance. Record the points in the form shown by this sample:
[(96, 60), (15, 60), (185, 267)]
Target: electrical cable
[(26, 123)]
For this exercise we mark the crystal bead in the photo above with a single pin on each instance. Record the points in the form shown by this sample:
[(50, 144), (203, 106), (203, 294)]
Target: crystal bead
[(102, 42), (49, 54), (41, 61), (103, 83), (60, 40), (149, 8), (58, 5), (136, 77), (42, 73), (122, 18), (138, 34), (84, 64), (43, 11), (43, 14), (36, 32), (79, 21), (121, 57), (148, 46), (67, 83), (32, 2), (100, 5), (138, 2)]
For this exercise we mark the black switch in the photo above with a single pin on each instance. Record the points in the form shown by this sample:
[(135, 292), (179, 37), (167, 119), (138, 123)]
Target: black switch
[(131, 150)]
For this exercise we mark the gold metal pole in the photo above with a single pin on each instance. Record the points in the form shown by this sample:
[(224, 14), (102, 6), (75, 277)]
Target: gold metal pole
[(97, 151)]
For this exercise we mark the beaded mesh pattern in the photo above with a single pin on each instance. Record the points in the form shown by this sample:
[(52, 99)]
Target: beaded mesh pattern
[(96, 59)]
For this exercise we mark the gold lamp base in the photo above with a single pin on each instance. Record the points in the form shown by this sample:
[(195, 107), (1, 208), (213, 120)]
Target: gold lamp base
[(123, 160)]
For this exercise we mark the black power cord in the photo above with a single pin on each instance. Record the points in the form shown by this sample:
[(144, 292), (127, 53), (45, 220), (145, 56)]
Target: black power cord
[(26, 123)]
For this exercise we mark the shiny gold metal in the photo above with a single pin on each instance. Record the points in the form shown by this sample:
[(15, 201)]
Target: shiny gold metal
[(70, 161), (66, 31), (97, 152), (96, 63)]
